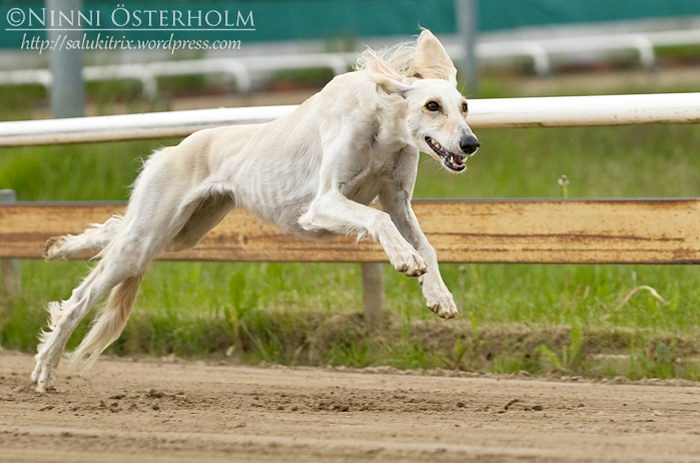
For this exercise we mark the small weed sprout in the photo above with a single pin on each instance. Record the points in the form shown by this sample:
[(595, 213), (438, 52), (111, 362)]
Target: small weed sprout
[(564, 184), (571, 356), (651, 291)]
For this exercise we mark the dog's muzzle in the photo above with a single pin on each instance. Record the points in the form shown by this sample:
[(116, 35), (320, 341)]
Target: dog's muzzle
[(451, 160)]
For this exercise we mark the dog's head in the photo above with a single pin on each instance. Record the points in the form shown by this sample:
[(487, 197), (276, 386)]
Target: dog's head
[(437, 111)]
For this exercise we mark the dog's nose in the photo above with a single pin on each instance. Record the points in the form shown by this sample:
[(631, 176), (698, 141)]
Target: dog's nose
[(469, 144)]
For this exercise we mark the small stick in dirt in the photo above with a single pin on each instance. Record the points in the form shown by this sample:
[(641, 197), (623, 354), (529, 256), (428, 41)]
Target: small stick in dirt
[(512, 402)]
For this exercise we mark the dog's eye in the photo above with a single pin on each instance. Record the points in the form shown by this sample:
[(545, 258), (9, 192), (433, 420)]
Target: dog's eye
[(464, 107), (432, 106)]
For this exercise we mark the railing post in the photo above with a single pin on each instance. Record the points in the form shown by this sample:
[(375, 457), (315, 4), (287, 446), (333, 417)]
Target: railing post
[(373, 293), (11, 282), (67, 87), (468, 25)]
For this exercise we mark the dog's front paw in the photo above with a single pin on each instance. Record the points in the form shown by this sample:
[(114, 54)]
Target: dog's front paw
[(443, 304), (409, 263)]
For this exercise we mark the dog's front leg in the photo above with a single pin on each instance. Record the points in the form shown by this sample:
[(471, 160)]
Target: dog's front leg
[(334, 212), (437, 295)]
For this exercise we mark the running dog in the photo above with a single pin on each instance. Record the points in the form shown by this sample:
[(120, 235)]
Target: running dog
[(313, 173)]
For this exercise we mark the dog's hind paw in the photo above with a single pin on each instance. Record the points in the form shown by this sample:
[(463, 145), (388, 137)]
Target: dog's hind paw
[(52, 249), (43, 375)]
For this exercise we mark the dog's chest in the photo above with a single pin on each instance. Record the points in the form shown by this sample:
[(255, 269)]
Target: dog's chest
[(370, 174)]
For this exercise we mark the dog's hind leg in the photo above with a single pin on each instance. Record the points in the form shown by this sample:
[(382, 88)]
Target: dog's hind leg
[(153, 219), (92, 240), (65, 316), (190, 224), (123, 263), (209, 212), (143, 236)]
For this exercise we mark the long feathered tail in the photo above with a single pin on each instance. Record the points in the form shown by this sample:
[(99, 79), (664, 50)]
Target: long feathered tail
[(109, 324)]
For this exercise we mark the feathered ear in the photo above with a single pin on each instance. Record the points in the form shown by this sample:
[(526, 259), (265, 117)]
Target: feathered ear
[(432, 61), (389, 85)]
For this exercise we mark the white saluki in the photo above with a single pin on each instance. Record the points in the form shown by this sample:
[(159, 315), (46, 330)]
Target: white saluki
[(312, 173)]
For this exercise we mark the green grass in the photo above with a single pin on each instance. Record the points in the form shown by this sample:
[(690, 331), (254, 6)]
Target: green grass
[(540, 318)]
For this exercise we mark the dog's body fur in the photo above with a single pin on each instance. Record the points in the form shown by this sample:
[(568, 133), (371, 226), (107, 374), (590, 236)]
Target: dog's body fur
[(312, 173)]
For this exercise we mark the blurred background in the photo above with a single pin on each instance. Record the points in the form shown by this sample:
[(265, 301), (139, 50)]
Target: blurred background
[(504, 48)]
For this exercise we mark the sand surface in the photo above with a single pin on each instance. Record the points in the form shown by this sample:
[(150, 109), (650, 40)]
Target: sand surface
[(176, 411)]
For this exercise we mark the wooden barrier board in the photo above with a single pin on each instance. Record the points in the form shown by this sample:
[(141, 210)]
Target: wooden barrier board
[(546, 231)]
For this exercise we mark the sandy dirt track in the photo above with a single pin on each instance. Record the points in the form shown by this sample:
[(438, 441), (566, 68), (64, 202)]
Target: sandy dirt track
[(155, 411)]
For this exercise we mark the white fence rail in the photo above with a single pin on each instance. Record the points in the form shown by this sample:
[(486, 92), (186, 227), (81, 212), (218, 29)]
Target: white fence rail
[(242, 69), (541, 51), (496, 112)]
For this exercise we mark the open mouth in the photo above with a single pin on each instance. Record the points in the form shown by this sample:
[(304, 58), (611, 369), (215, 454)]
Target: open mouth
[(453, 161)]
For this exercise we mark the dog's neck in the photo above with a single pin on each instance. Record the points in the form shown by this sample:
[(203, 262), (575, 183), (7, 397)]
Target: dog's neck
[(392, 133)]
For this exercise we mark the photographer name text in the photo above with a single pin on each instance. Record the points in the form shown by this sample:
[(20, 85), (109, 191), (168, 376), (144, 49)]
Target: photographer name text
[(122, 18)]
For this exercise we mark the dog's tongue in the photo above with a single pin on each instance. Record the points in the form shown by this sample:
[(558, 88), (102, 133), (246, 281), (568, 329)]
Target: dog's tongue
[(457, 160)]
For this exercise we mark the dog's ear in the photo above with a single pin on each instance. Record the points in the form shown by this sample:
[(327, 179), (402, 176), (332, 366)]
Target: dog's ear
[(389, 85), (432, 61)]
